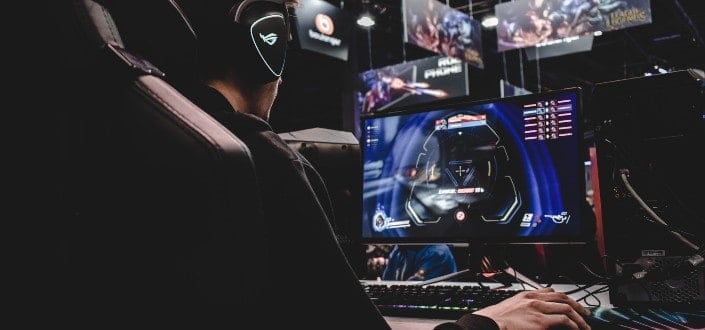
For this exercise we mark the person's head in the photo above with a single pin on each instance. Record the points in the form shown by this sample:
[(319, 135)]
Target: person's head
[(242, 46)]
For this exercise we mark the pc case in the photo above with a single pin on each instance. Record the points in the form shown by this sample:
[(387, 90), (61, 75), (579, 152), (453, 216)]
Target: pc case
[(649, 133)]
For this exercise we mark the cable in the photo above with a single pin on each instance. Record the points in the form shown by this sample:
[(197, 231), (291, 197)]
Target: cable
[(582, 287), (585, 288), (478, 279), (595, 275), (369, 46), (602, 289), (622, 155), (615, 260), (538, 71), (521, 68), (523, 287), (624, 175), (523, 279)]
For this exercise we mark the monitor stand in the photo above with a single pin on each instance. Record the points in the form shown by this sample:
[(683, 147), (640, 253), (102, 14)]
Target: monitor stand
[(478, 256)]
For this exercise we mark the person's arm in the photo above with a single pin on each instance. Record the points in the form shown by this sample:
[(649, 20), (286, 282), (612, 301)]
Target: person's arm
[(537, 309)]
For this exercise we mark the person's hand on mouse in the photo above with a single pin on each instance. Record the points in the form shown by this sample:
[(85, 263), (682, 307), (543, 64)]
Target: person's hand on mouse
[(538, 309)]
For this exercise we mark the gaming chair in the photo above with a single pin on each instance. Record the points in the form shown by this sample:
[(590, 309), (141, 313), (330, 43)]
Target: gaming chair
[(159, 210)]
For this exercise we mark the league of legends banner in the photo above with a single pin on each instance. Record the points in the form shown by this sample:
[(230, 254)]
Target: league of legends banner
[(525, 23), (431, 25)]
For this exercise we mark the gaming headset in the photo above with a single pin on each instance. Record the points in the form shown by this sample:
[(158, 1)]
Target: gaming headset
[(261, 31)]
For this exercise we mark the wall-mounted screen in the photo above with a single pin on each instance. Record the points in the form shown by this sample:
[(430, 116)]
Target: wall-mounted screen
[(412, 82), (431, 25)]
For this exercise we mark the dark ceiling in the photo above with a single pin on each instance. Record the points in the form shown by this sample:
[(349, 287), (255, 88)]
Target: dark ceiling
[(316, 88)]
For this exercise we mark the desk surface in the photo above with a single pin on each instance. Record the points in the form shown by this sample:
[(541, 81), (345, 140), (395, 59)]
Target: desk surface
[(602, 318), (411, 323)]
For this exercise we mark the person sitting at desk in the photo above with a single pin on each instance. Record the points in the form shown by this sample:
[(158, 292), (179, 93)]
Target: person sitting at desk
[(238, 86)]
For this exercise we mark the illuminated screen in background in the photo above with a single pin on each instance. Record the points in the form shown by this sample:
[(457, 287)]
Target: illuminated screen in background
[(525, 23), (504, 170), (436, 27), (413, 82)]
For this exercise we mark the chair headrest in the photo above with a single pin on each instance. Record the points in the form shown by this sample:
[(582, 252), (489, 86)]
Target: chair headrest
[(97, 24), (157, 31)]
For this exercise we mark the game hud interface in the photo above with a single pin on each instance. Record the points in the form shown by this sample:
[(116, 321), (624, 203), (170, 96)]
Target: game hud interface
[(508, 169)]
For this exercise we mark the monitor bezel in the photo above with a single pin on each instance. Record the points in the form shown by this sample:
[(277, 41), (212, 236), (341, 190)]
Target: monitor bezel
[(584, 237)]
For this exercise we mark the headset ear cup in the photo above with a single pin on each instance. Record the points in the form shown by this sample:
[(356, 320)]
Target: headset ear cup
[(262, 28)]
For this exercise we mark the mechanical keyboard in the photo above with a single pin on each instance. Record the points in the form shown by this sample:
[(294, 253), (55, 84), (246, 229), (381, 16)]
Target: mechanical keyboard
[(440, 301)]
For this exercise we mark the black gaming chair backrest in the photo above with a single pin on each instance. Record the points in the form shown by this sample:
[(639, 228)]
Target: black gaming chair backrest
[(162, 204)]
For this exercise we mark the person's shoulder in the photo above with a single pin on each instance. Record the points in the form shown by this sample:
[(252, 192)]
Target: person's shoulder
[(271, 143)]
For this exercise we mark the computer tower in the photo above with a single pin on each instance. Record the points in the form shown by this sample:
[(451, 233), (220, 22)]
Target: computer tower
[(649, 135)]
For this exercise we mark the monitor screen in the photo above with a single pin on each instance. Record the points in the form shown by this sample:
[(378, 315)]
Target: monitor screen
[(508, 170)]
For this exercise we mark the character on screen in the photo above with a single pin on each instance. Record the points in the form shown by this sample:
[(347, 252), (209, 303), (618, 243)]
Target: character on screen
[(409, 262), (419, 262), (570, 17), (457, 170), (378, 95), (423, 26), (526, 30), (458, 38), (598, 14)]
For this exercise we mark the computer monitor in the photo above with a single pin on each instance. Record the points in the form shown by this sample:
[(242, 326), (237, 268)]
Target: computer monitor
[(506, 170)]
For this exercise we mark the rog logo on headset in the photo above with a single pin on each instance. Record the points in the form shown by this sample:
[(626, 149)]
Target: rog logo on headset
[(270, 39)]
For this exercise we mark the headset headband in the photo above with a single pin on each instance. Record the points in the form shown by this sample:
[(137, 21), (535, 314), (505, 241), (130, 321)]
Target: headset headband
[(238, 8)]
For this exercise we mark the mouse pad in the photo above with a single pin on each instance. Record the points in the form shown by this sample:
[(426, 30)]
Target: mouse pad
[(645, 318)]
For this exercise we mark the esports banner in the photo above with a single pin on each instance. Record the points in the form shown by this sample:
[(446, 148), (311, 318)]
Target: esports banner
[(441, 29), (323, 28), (411, 82), (570, 45), (524, 23)]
